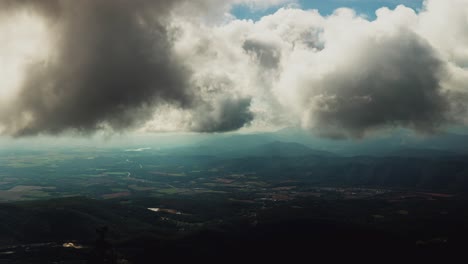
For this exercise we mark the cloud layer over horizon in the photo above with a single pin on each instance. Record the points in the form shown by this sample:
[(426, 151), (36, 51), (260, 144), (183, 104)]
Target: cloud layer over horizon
[(84, 66)]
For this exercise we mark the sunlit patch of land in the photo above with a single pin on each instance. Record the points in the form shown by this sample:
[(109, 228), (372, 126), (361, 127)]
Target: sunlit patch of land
[(72, 245), (165, 210)]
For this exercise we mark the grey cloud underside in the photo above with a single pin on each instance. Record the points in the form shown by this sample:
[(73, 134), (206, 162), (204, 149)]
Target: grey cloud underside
[(266, 54), (395, 82), (113, 63), (225, 115)]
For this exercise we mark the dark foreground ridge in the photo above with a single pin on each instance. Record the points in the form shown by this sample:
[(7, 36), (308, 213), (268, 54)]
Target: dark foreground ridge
[(387, 227)]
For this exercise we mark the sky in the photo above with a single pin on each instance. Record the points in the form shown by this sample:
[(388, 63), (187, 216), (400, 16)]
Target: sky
[(326, 7), (339, 69)]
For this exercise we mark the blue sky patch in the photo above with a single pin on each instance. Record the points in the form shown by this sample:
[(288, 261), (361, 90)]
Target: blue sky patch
[(326, 7)]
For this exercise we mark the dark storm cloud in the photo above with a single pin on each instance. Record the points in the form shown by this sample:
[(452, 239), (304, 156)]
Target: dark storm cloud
[(49, 8), (112, 62), (392, 81), (223, 115)]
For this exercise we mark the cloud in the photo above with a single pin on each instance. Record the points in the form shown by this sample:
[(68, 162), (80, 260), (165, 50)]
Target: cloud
[(188, 65), (111, 65), (368, 76), (111, 62), (225, 114), (392, 80), (266, 54), (340, 75)]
